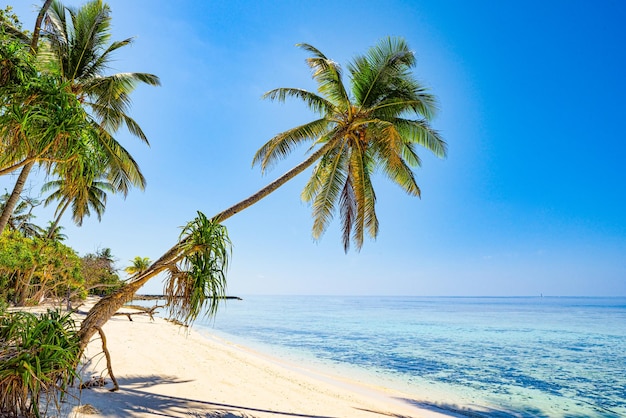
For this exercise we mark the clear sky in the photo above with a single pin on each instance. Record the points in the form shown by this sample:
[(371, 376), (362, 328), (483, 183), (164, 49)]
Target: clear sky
[(531, 199)]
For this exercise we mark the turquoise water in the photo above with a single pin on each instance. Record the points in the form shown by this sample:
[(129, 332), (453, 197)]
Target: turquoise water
[(515, 357)]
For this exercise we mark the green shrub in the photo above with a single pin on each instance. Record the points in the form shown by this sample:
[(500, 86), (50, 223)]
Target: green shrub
[(38, 359)]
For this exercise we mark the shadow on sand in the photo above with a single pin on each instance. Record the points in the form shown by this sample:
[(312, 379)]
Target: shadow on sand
[(485, 412), (132, 398)]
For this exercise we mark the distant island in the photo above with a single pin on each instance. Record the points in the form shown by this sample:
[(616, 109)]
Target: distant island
[(159, 297)]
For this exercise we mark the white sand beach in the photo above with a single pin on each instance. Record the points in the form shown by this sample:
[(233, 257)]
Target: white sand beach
[(165, 370)]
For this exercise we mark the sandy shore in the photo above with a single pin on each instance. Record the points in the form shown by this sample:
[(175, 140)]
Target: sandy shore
[(167, 371)]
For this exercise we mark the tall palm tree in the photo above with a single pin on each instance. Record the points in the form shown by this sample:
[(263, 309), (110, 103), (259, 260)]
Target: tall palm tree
[(78, 52), (41, 122), (354, 135)]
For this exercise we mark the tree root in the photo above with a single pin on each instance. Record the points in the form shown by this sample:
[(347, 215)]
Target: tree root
[(116, 386)]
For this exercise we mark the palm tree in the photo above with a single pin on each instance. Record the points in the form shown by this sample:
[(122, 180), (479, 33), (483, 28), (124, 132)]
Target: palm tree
[(375, 125), (53, 232), (78, 52), (139, 265), (355, 134), (81, 51), (40, 122), (82, 192), (22, 217)]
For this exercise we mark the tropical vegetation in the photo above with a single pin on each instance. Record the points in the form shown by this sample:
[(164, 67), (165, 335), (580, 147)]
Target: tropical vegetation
[(60, 109), (36, 265), (38, 360)]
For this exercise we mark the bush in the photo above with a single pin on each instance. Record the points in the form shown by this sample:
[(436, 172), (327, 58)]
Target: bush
[(38, 360)]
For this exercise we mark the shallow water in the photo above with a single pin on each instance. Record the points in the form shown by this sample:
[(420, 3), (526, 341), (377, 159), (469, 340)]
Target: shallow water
[(520, 357)]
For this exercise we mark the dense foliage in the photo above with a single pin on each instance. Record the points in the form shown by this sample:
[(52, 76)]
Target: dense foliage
[(100, 274), (38, 359), (33, 268), (36, 265), (60, 111)]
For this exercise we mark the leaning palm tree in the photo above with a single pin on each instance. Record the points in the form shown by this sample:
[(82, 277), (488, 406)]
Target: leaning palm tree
[(375, 126)]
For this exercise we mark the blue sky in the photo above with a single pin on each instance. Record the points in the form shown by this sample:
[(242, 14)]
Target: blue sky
[(530, 200)]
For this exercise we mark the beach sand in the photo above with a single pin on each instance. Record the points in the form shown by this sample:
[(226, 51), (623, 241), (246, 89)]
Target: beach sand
[(165, 370)]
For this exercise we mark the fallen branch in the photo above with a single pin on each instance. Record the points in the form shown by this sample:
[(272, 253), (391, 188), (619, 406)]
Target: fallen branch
[(142, 311)]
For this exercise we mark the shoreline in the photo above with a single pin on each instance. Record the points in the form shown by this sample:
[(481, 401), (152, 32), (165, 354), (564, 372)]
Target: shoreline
[(166, 370)]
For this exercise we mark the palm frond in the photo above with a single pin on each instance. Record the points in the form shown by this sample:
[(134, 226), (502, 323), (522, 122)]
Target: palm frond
[(112, 94), (101, 61), (394, 166), (369, 208), (348, 209), (327, 73), (378, 72), (421, 133), (417, 101), (91, 24), (360, 166), (332, 172), (281, 145), (315, 102), (122, 170)]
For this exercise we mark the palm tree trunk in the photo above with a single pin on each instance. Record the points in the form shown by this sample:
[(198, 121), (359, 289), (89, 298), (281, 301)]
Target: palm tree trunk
[(15, 195), (22, 295), (34, 43), (107, 306)]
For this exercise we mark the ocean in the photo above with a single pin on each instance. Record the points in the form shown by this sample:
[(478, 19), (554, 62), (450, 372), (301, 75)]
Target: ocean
[(480, 357)]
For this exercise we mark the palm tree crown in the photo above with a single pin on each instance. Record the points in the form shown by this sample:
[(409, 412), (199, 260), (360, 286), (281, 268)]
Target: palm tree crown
[(139, 265), (79, 50), (374, 126), (82, 52)]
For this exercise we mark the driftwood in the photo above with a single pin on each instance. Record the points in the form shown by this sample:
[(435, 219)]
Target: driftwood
[(177, 322), (142, 311)]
